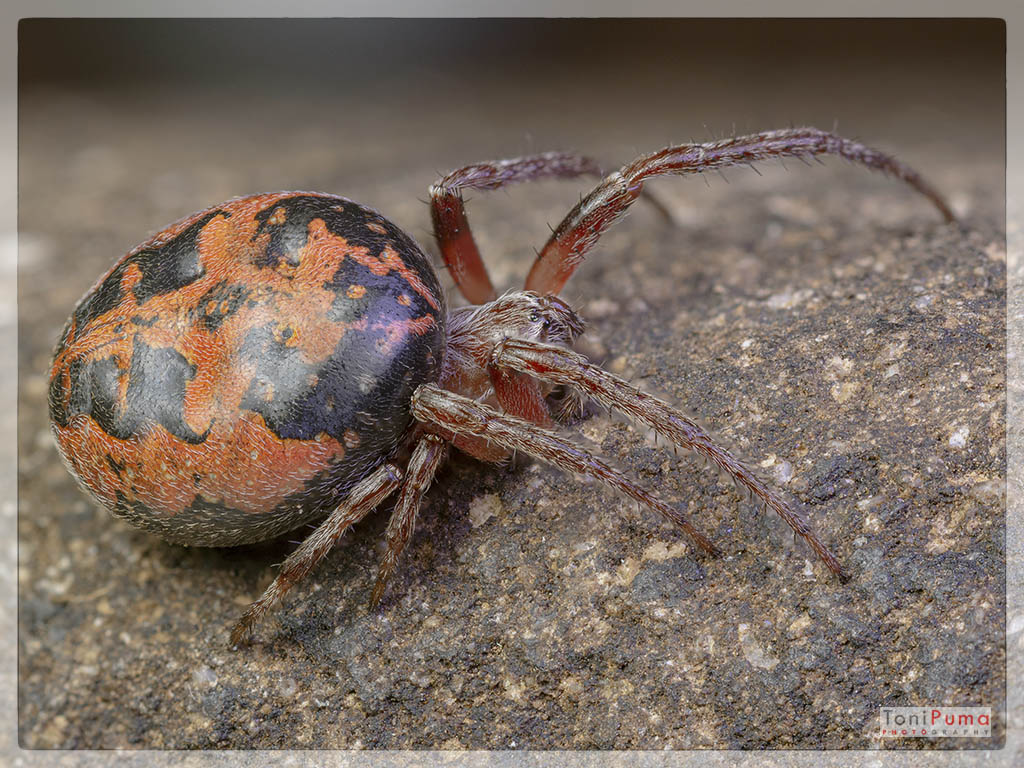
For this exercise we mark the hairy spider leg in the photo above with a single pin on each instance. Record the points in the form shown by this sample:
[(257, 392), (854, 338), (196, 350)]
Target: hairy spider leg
[(562, 366), (609, 200), (362, 499), (456, 414), (451, 227), (428, 455)]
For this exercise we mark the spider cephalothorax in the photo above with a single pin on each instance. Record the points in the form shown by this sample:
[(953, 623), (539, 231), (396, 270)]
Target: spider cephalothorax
[(288, 357)]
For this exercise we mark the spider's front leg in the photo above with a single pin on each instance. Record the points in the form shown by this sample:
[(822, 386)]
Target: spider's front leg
[(561, 366), (448, 211), (608, 202)]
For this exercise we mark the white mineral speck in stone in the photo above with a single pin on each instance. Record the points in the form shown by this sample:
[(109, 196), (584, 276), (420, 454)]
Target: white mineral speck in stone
[(483, 508), (783, 472), (752, 651), (959, 437), (1016, 624), (204, 675), (789, 298)]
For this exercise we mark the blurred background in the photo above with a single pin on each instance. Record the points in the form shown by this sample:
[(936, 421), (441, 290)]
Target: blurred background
[(186, 113), (719, 72), (176, 109)]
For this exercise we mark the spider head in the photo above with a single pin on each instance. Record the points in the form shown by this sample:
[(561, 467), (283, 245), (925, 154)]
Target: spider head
[(474, 332), (529, 315)]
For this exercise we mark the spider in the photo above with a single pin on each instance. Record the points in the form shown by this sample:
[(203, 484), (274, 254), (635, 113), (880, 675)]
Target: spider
[(500, 352), (289, 357)]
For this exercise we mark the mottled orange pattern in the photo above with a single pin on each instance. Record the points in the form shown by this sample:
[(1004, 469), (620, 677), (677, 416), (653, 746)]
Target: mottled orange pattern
[(241, 463)]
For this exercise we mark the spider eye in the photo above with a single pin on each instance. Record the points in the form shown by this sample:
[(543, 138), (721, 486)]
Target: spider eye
[(534, 315)]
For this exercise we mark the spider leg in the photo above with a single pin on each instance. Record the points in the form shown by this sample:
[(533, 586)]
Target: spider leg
[(456, 414), (585, 223), (362, 499), (451, 227), (427, 456), (561, 366)]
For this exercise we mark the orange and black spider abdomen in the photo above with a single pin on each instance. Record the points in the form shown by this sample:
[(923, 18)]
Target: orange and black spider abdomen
[(232, 377)]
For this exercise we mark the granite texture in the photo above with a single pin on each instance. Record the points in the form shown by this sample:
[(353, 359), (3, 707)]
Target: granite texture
[(822, 322)]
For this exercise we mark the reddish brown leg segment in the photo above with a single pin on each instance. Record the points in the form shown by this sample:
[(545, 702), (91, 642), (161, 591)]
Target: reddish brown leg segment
[(426, 458), (477, 447), (461, 415), (362, 499), (451, 227), (519, 395), (585, 223), (561, 366)]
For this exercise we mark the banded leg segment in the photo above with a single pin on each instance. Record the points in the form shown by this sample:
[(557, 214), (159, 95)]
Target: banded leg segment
[(561, 366), (427, 456), (456, 414), (585, 223), (362, 499), (451, 227)]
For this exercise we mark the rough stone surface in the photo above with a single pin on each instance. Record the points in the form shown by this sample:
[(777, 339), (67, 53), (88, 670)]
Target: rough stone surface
[(821, 322)]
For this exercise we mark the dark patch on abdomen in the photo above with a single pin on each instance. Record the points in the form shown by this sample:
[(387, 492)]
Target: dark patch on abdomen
[(342, 218), (173, 265), (166, 269), (227, 299), (157, 378), (300, 400)]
